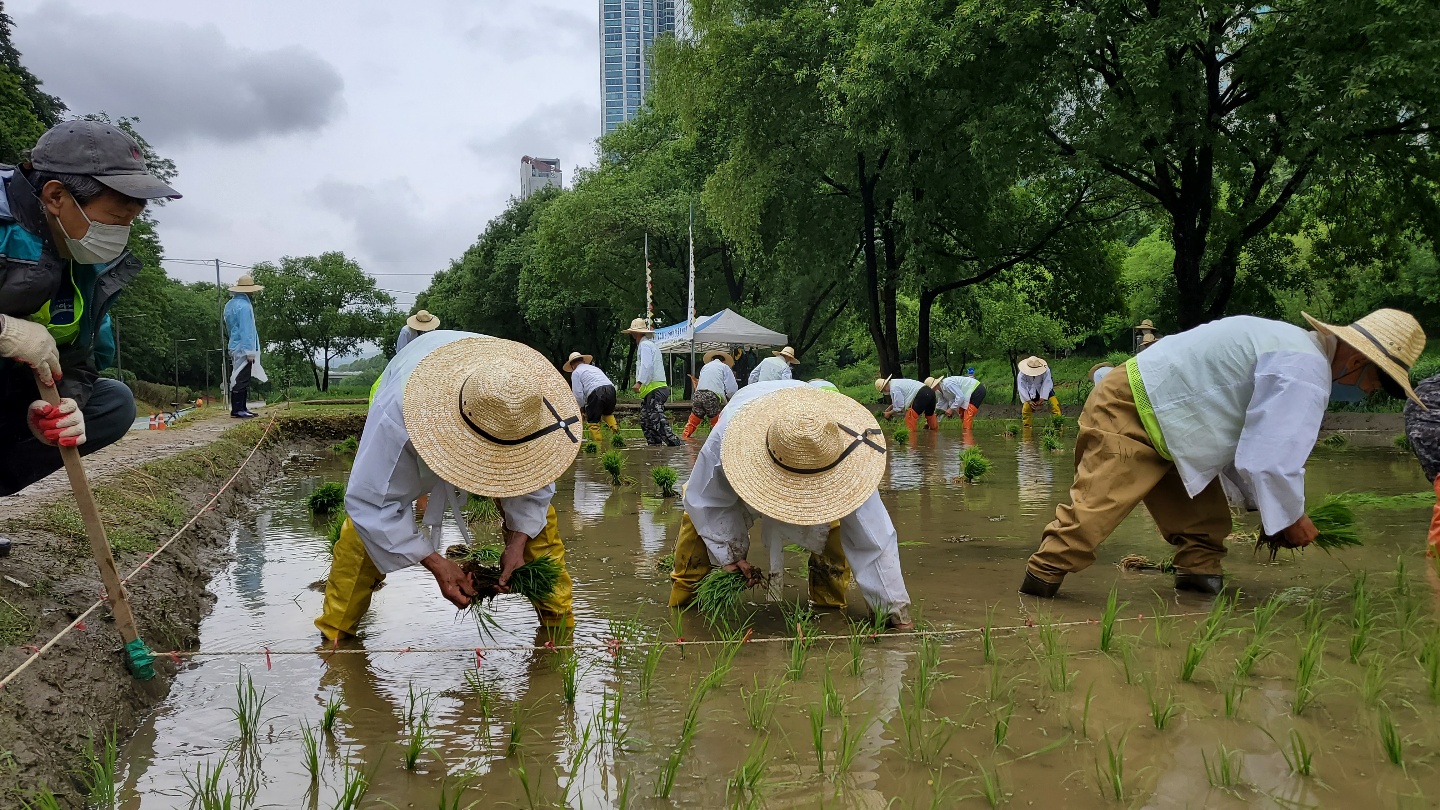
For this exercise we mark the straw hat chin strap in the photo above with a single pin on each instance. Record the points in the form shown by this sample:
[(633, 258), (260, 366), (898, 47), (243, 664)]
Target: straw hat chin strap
[(1362, 330), (859, 439), (559, 424)]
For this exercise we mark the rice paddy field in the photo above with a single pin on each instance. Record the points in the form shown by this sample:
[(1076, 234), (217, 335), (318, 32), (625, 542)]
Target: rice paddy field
[(1316, 684)]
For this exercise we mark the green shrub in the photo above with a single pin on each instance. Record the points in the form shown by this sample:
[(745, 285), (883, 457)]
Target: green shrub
[(665, 479), (327, 498)]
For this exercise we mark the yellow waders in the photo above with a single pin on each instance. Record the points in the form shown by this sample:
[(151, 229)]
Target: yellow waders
[(1028, 407), (595, 428), (354, 577), (829, 573)]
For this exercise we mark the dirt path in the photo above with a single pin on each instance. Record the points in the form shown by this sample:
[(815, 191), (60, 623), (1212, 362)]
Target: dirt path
[(138, 447)]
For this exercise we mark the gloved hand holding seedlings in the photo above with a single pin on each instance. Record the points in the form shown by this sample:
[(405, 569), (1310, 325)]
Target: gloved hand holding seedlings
[(60, 425), (30, 343), (455, 584)]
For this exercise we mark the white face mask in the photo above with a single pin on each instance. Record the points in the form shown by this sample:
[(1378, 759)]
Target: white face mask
[(101, 243)]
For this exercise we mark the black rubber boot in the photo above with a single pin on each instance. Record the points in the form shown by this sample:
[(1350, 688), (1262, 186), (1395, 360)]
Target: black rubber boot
[(1035, 586), (4, 547), (1211, 584)]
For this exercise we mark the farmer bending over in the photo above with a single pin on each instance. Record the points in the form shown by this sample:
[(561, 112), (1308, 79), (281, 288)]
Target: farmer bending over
[(811, 461), (65, 219), (712, 390), (594, 392), (912, 397), (1035, 386), (454, 409), (775, 367), (961, 396), (1238, 399)]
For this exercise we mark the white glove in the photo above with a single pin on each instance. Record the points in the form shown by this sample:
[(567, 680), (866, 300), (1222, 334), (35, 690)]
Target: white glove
[(29, 343), (57, 426)]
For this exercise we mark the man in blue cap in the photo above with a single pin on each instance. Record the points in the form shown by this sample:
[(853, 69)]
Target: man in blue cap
[(65, 216)]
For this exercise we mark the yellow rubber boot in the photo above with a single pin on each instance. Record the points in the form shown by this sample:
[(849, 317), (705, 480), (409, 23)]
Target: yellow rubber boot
[(1055, 406), (595, 433), (1027, 411), (558, 610), (611, 423), (353, 579), (830, 572), (692, 563)]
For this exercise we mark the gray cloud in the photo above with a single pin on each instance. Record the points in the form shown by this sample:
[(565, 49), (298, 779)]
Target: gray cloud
[(184, 82), (538, 32), (553, 130)]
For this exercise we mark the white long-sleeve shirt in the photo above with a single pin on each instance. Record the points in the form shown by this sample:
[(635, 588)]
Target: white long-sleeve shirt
[(718, 377), (1242, 398), (585, 379), (388, 474), (649, 364), (954, 392), (723, 520), (770, 369), (1033, 388), (902, 391), (406, 335)]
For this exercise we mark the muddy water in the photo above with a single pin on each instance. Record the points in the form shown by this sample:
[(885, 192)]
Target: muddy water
[(963, 553)]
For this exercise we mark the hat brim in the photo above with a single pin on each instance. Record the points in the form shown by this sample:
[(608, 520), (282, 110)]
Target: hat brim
[(138, 186), (248, 288), (1097, 367), (883, 383), (637, 331), (422, 326), (570, 364), (789, 358), (1029, 372), (1352, 338), (800, 499), (728, 358), (461, 456)]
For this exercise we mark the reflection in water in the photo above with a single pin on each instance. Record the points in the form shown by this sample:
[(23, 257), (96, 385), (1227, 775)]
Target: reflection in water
[(906, 471), (1036, 471), (591, 492), (652, 525)]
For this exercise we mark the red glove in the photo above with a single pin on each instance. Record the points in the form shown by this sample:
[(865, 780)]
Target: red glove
[(57, 426)]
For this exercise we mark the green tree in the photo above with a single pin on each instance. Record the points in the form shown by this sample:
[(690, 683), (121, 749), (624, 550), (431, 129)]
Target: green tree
[(319, 308), (47, 109), (1012, 326)]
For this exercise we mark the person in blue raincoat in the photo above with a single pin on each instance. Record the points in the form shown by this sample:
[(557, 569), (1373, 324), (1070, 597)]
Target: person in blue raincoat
[(244, 345), (65, 216)]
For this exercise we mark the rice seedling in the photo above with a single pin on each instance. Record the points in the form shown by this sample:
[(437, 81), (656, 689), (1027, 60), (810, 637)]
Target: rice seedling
[(1224, 772), (1129, 659), (1251, 655), (352, 788), (1110, 770), (519, 721), (649, 665), (671, 768), (419, 740), (570, 673), (1011, 429), (1085, 713), (1049, 442), (1206, 635), (327, 498), (927, 669), (720, 594), (1335, 441), (451, 801), (991, 789), (902, 435), (973, 464), (987, 635), (1163, 621), (1113, 606), (97, 771), (665, 479), (856, 644), (533, 797), (205, 791), (760, 703), (749, 778), (617, 441), (1002, 684), (614, 463), (480, 509), (42, 800), (1362, 617), (1262, 617), (1390, 740), (1296, 752), (1234, 694), (487, 696), (1308, 672), (1334, 523), (847, 744), (921, 739), (589, 448), (1429, 660), (1000, 731), (310, 751), (724, 659), (1376, 682), (800, 621), (346, 446), (1162, 711), (1054, 656), (582, 745), (817, 735), (249, 703), (830, 696), (332, 533), (1402, 442)]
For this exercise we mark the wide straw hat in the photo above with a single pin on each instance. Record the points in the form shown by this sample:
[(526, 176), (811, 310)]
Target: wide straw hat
[(574, 356), (1033, 367), (1147, 340), (789, 355), (638, 327), (492, 417), (720, 354), (1146, 324), (246, 284), (880, 384), (803, 456), (1389, 338), (933, 382), (423, 321)]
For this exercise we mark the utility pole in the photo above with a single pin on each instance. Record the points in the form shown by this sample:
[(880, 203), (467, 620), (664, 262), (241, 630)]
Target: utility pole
[(224, 355)]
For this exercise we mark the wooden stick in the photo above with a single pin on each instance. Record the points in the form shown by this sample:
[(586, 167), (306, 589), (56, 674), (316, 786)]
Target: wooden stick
[(99, 543)]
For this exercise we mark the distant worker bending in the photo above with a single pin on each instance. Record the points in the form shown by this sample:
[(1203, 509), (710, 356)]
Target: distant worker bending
[(713, 389), (775, 367), (1035, 386), (415, 326)]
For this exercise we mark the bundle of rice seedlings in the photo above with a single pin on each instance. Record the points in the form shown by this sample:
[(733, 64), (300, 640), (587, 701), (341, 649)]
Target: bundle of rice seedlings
[(590, 448), (614, 463), (719, 593), (616, 440), (1049, 442), (1139, 562), (480, 509), (535, 580), (902, 435), (346, 447), (665, 479), (1012, 429), (973, 464), (1057, 424), (1334, 524), (327, 498), (1335, 441)]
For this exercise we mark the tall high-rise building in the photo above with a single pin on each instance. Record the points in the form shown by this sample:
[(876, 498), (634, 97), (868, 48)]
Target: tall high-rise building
[(538, 173), (628, 29)]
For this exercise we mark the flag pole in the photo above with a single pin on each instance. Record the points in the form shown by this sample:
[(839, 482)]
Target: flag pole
[(690, 308), (649, 289)]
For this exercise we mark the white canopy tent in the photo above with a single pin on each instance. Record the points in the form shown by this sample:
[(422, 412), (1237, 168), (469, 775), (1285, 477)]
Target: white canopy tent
[(723, 330)]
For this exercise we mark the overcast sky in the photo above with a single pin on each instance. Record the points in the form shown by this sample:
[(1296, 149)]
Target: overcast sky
[(390, 131)]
